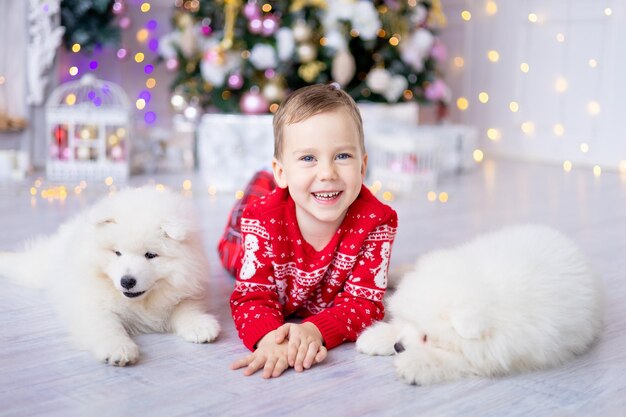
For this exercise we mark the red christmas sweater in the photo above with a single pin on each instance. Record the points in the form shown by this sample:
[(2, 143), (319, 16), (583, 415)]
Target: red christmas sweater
[(339, 289)]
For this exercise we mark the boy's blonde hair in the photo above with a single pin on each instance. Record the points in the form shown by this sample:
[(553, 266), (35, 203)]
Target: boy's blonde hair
[(309, 101)]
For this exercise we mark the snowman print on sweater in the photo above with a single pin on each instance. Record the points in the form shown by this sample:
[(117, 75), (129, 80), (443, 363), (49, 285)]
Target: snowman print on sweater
[(250, 263), (380, 277)]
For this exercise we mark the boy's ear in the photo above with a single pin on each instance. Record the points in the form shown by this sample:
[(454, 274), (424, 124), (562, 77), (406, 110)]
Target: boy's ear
[(364, 167), (279, 173)]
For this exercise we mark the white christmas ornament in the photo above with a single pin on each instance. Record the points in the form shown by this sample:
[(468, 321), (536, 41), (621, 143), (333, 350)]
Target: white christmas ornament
[(301, 31), (417, 48), (365, 20), (343, 68), (285, 43), (307, 52), (395, 88), (263, 56), (378, 80)]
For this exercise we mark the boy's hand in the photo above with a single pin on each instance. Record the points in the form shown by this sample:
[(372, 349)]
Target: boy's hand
[(305, 347), (270, 356)]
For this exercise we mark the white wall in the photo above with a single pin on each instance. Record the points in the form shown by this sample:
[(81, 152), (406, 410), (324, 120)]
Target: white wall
[(587, 33)]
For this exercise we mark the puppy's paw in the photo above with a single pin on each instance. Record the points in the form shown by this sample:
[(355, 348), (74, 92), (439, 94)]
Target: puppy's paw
[(118, 352), (378, 339), (201, 328), (424, 367)]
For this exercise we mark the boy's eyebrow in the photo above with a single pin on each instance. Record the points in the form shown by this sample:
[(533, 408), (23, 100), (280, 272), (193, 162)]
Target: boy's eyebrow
[(338, 149)]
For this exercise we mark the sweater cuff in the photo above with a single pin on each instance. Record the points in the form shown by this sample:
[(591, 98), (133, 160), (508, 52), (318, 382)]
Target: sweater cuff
[(329, 328), (258, 330)]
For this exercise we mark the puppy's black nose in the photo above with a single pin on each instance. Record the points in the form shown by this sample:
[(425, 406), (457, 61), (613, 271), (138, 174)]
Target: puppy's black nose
[(398, 347), (128, 282)]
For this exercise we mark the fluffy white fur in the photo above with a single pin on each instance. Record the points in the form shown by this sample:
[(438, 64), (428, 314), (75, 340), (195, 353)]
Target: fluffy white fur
[(87, 262), (518, 299)]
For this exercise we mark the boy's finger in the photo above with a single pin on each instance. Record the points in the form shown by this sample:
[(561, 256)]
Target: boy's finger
[(240, 363), (310, 355), (321, 354), (253, 366), (268, 369), (302, 350), (280, 367), (292, 351), (281, 333)]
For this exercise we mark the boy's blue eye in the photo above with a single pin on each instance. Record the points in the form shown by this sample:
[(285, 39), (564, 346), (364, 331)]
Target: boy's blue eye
[(344, 156), (307, 158)]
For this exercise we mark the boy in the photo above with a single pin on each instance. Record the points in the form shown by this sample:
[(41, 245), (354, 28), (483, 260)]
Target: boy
[(318, 246)]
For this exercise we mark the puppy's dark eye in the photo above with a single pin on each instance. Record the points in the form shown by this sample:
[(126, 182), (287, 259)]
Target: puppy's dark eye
[(118, 253), (150, 255)]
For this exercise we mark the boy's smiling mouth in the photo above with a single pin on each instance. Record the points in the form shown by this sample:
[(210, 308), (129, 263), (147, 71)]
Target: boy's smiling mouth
[(326, 196)]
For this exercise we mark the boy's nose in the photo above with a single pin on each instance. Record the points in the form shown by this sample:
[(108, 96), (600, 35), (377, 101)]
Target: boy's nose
[(327, 171)]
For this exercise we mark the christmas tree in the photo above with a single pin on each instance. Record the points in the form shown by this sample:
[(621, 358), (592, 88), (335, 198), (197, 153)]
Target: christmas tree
[(89, 23), (233, 56)]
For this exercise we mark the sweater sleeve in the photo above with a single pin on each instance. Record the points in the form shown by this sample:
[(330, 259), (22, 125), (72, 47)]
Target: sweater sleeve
[(359, 304), (254, 302)]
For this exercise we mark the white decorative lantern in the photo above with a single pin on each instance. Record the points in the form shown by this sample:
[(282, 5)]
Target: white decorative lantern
[(88, 131)]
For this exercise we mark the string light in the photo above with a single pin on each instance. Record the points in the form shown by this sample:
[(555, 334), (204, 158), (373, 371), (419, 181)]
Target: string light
[(558, 129), (584, 148), (593, 63), (532, 18), (443, 197), (593, 107), (431, 196), (458, 62), (466, 15), (493, 134), (560, 37), (493, 56), (478, 155), (187, 185), (524, 67), (567, 166), (145, 7), (597, 171), (483, 97), (514, 106), (462, 103), (560, 85), (491, 8), (528, 128)]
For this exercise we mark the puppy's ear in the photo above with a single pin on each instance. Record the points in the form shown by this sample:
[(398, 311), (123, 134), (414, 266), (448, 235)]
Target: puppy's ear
[(470, 323), (175, 230)]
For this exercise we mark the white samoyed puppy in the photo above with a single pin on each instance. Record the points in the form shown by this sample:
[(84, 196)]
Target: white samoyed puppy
[(521, 298), (133, 263)]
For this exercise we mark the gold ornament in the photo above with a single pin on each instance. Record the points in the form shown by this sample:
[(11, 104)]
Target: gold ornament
[(298, 5), (231, 7), (436, 18), (309, 72)]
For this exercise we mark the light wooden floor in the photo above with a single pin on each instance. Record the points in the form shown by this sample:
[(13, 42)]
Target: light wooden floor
[(41, 374)]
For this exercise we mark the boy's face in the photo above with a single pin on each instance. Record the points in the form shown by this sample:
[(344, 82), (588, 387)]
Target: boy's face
[(323, 166)]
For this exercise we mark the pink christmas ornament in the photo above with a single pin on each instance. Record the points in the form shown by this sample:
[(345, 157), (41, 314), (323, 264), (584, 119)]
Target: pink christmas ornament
[(251, 11), (253, 102), (437, 91), (439, 52), (235, 81), (171, 64), (270, 25), (255, 26), (125, 22)]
